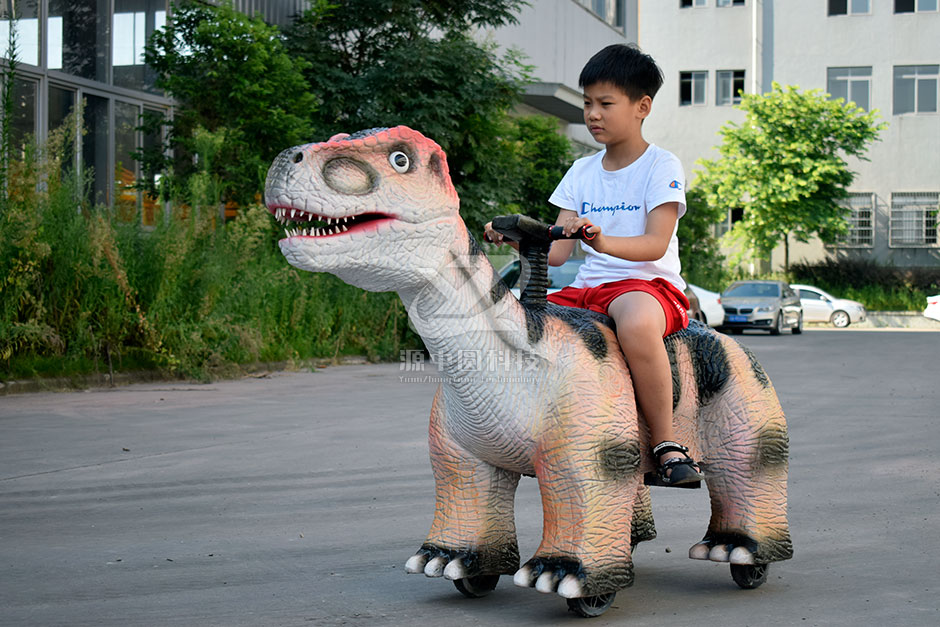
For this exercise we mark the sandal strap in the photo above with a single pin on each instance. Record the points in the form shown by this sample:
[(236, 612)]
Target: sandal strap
[(669, 447), (678, 461)]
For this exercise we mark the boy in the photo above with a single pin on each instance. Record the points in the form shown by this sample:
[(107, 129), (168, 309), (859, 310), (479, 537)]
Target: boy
[(631, 196)]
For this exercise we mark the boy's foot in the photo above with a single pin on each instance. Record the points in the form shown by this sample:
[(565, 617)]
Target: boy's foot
[(676, 468)]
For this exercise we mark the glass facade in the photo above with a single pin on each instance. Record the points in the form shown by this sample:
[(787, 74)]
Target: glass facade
[(91, 52)]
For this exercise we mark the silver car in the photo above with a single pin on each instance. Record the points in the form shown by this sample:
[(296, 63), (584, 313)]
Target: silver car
[(821, 306), (767, 305)]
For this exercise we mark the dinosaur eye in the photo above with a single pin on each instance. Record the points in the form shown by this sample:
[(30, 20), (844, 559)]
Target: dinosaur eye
[(400, 161)]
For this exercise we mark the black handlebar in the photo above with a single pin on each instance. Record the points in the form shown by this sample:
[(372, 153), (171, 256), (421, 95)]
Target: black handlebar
[(557, 232), (523, 229)]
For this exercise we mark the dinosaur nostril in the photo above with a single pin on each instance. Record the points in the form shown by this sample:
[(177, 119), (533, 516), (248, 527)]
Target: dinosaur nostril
[(298, 157)]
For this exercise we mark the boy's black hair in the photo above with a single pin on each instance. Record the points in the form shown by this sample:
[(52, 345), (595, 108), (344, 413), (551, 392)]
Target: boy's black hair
[(625, 66)]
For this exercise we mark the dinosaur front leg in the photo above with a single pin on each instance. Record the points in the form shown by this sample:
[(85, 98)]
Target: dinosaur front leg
[(473, 532), (589, 483)]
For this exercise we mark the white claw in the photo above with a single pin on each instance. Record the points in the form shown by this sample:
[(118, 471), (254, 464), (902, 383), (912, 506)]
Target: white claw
[(435, 567), (547, 582), (455, 570), (570, 587), (415, 564), (740, 555), (719, 553), (699, 551), (523, 577)]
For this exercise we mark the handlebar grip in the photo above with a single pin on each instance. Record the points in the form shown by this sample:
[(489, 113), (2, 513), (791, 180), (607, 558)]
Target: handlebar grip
[(557, 232)]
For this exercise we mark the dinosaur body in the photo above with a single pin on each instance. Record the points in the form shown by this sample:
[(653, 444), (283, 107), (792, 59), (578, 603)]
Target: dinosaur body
[(532, 389)]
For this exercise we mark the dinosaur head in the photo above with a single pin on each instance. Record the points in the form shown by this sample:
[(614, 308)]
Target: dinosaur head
[(376, 208)]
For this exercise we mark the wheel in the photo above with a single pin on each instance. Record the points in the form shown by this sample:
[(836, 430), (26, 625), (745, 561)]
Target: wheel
[(799, 325), (778, 325), (589, 607), (749, 576), (476, 587), (737, 331), (840, 319)]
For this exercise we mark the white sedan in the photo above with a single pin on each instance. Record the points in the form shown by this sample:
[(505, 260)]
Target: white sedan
[(933, 307), (821, 306)]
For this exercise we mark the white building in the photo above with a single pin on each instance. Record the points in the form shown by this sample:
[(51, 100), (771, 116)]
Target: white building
[(883, 54)]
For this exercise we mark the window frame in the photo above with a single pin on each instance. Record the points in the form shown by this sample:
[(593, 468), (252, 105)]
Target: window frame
[(833, 8), (849, 78), (692, 75), (927, 205), (915, 7), (915, 77), (735, 93), (862, 231)]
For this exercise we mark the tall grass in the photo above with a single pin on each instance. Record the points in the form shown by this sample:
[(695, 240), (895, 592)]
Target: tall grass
[(83, 292)]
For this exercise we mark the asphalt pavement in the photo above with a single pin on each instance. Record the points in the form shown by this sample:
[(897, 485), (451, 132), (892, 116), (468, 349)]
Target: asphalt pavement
[(294, 498)]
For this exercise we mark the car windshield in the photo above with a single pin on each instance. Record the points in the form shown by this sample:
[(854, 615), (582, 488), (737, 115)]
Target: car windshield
[(751, 290)]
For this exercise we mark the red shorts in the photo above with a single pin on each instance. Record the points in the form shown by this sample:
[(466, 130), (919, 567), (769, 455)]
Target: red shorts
[(674, 302)]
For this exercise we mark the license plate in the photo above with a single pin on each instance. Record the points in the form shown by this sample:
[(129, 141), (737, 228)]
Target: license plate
[(734, 318)]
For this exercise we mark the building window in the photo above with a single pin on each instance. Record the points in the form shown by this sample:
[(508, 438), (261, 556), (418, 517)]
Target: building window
[(27, 31), (849, 7), (915, 88), (729, 84), (134, 22), (913, 219), (22, 115), (861, 219), (851, 84), (910, 6), (731, 3), (611, 11), (692, 88), (733, 217), (78, 33), (95, 147), (688, 4)]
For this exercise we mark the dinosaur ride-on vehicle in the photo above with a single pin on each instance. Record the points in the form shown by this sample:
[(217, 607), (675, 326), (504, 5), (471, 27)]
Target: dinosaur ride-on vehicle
[(532, 388)]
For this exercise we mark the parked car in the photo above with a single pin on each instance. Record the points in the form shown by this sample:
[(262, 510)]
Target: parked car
[(821, 306), (563, 275), (767, 305), (709, 303), (933, 307)]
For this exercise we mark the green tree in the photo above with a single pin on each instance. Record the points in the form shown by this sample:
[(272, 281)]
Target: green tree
[(231, 75), (785, 167), (699, 253), (414, 62)]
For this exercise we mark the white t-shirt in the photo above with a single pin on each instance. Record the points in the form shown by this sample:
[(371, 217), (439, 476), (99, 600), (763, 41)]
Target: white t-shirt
[(619, 202)]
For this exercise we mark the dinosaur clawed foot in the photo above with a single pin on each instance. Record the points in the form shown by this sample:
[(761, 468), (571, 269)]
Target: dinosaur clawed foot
[(722, 552), (454, 564), (569, 579)]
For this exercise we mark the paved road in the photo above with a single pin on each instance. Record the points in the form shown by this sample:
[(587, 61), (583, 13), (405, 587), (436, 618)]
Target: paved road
[(294, 499)]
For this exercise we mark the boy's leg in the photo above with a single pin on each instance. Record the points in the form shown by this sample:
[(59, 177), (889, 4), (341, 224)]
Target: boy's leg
[(641, 323)]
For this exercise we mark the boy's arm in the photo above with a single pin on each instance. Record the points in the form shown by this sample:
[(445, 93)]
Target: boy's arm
[(561, 249), (652, 245)]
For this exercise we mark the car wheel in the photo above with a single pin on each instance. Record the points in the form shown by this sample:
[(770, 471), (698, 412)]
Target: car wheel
[(799, 325), (778, 325), (840, 319)]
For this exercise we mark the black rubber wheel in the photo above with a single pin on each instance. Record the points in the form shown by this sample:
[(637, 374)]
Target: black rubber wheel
[(590, 607), (749, 576), (799, 326), (778, 325), (737, 331), (476, 587)]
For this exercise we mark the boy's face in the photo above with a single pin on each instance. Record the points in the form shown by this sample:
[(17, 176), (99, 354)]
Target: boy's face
[(611, 116)]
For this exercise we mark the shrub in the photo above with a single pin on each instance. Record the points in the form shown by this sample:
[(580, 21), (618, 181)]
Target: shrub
[(878, 287)]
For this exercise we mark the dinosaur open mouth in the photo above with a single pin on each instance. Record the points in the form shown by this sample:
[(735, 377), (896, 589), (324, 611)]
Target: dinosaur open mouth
[(300, 223)]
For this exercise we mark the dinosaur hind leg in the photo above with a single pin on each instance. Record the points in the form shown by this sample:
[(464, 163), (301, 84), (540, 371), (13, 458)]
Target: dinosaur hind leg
[(746, 456)]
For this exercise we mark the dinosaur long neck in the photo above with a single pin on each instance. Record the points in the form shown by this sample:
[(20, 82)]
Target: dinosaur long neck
[(467, 318)]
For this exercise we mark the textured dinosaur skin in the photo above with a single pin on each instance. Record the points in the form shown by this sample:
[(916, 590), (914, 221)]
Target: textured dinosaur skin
[(547, 392)]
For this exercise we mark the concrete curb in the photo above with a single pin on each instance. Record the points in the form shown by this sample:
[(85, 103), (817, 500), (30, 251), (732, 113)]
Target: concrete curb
[(889, 320), (103, 379)]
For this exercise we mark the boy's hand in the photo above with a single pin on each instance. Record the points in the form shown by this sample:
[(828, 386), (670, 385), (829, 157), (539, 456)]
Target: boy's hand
[(491, 235), (574, 224)]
